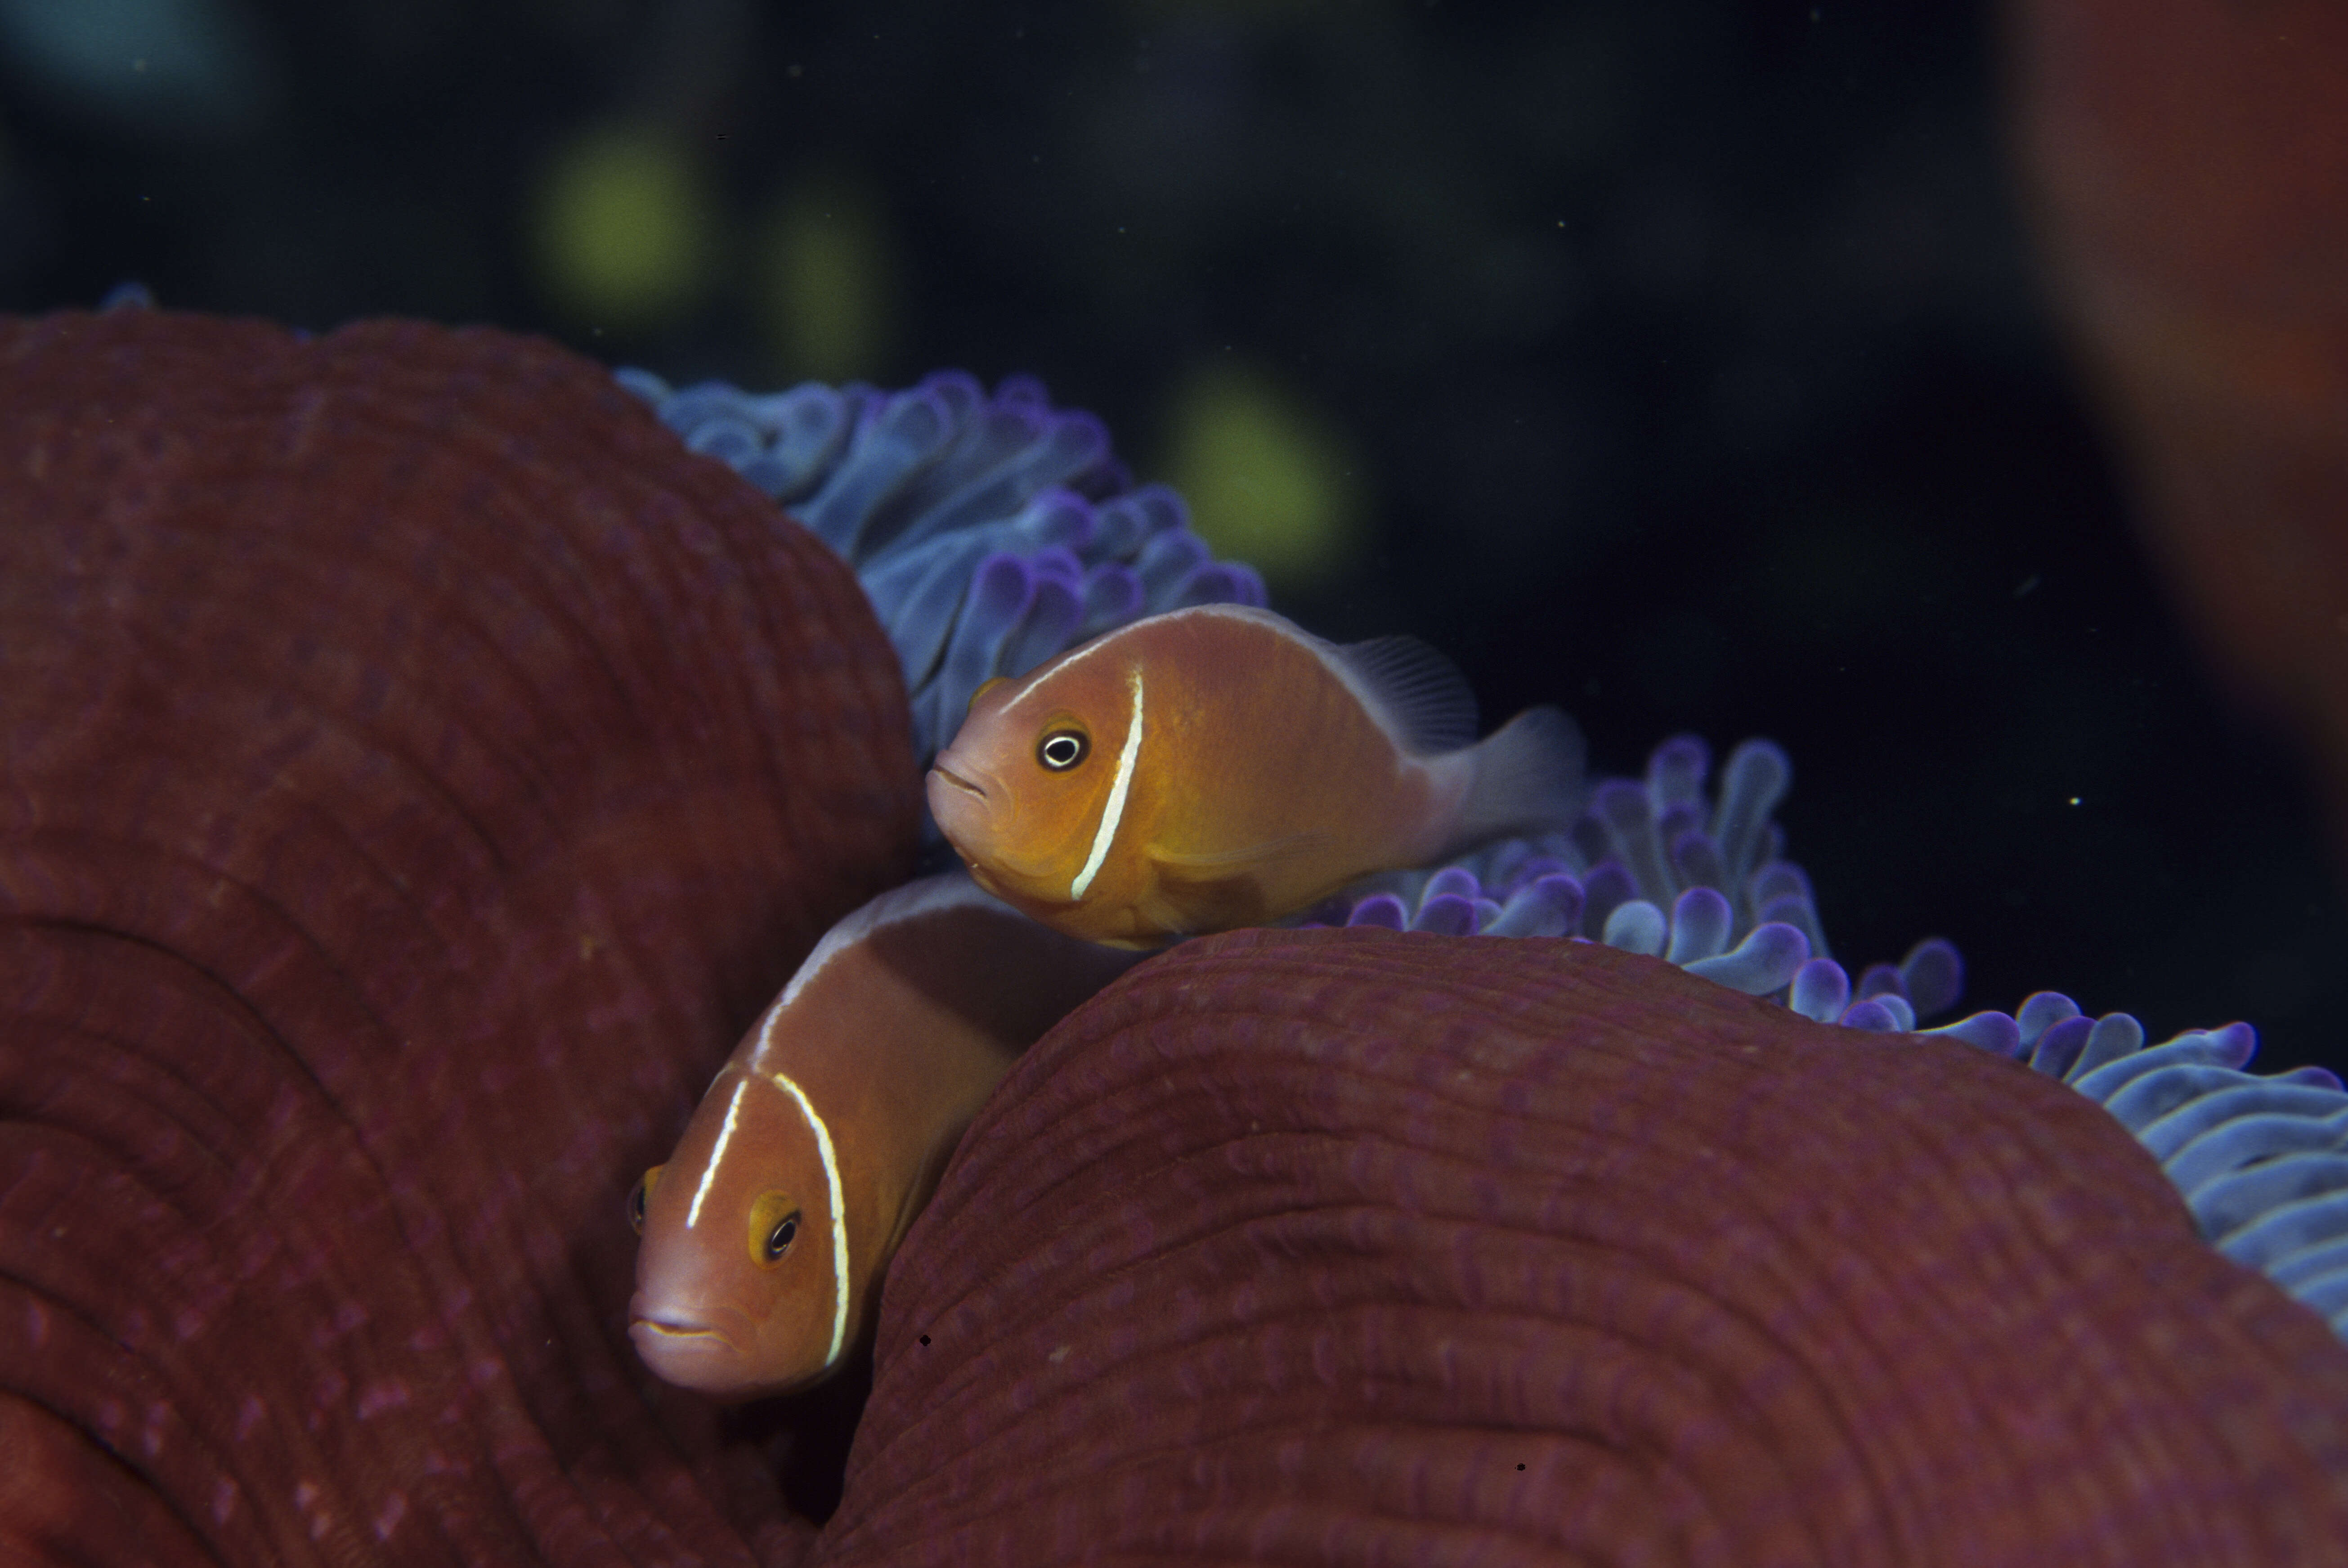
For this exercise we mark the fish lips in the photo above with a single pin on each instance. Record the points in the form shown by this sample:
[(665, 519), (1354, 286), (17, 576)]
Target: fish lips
[(706, 1349), (963, 808)]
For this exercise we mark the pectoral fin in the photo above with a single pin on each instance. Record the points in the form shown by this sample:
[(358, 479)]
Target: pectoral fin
[(1219, 889)]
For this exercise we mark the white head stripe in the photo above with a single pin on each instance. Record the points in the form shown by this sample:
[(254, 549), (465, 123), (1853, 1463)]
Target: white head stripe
[(838, 1216), (709, 1172), (1114, 812), (1054, 666), (814, 960)]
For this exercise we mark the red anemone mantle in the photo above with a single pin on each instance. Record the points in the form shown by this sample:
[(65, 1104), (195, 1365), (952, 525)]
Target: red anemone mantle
[(417, 770)]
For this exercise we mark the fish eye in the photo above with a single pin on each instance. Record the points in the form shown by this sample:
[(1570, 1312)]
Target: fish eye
[(1062, 749), (774, 1226), (643, 1195)]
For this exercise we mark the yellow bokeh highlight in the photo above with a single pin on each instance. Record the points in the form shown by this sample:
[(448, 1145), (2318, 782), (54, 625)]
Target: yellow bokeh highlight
[(826, 282), (1270, 480), (625, 232)]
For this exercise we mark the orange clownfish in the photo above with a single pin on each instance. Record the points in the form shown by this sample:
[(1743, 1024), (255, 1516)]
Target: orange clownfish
[(765, 1235), (1219, 767)]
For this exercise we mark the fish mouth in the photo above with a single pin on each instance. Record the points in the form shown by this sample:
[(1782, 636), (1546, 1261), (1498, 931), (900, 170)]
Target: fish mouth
[(966, 812), (656, 1323), (670, 1328), (691, 1354), (941, 771)]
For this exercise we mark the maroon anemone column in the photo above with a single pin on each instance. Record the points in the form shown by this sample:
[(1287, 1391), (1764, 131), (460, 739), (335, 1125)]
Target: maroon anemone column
[(1323, 1247), (415, 769)]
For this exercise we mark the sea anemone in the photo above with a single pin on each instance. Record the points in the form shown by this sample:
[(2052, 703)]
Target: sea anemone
[(419, 768)]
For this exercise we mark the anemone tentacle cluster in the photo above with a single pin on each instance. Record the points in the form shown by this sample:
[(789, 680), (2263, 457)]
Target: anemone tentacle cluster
[(991, 531), (1654, 865), (2261, 1161)]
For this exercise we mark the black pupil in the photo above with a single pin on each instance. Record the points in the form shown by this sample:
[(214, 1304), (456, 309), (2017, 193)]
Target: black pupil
[(1061, 751), (636, 1208), (782, 1236)]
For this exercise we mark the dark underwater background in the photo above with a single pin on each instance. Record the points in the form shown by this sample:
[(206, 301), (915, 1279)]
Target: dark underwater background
[(1683, 362)]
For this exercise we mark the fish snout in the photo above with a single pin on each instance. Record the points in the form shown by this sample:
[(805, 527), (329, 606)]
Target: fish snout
[(955, 780), (692, 1347), (662, 1315), (962, 807)]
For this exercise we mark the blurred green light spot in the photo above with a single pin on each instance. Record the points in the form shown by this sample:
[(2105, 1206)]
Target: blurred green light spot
[(624, 233), (827, 271), (1271, 481)]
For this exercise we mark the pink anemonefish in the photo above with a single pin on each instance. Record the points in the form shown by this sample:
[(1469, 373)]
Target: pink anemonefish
[(1219, 767), (766, 1232)]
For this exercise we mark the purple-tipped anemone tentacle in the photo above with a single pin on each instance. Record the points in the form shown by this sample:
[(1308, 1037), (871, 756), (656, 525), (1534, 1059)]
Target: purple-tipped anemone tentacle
[(1821, 991), (1764, 962), (2060, 1045), (2041, 1011), (2245, 1140), (1604, 888), (1447, 914), (1756, 778), (1546, 906), (1626, 812), (1932, 976), (1992, 1032), (1637, 926), (1882, 1014), (1454, 881), (1696, 859), (1675, 771), (1701, 919), (1877, 980), (1780, 890), (937, 494), (1112, 595)]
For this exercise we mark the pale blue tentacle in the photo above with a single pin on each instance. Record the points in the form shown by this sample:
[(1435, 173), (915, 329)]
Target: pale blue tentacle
[(991, 531)]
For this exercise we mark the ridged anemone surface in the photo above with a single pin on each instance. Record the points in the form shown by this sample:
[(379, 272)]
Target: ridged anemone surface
[(417, 770), (1330, 1246), (418, 767)]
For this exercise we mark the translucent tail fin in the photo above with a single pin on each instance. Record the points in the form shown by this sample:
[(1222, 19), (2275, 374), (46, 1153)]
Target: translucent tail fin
[(1528, 780)]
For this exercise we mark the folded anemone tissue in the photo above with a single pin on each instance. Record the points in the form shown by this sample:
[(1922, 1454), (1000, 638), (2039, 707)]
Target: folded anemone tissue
[(429, 755)]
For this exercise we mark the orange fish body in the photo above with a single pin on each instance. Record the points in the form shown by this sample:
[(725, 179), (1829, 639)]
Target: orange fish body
[(766, 1232), (1218, 767)]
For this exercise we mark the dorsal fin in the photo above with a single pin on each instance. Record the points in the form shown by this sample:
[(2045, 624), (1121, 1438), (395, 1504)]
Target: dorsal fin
[(1416, 690)]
